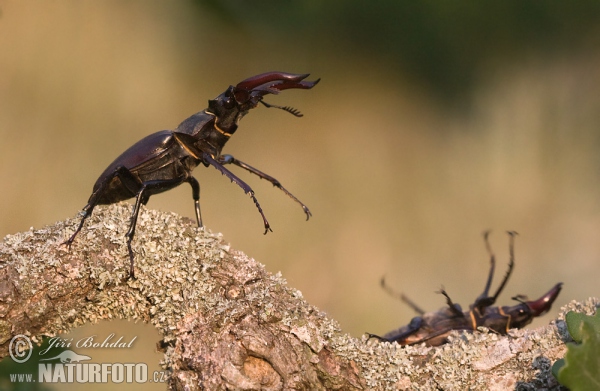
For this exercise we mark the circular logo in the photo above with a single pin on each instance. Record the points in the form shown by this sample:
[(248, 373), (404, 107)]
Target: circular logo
[(20, 348)]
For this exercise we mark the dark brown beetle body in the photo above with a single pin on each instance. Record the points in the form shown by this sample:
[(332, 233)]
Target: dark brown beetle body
[(434, 328), (165, 159)]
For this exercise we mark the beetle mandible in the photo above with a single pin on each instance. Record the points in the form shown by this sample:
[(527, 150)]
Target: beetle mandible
[(165, 159), (433, 328)]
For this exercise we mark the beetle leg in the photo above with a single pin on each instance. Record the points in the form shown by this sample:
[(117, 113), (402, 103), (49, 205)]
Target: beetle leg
[(402, 333), (228, 159), (412, 304), (402, 297), (131, 231), (87, 213), (247, 189), (428, 339), (485, 300), (454, 308), (414, 325), (196, 194), (511, 262), (141, 198)]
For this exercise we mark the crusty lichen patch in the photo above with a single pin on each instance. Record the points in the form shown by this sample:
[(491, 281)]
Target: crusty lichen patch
[(478, 361), (163, 292), (227, 322)]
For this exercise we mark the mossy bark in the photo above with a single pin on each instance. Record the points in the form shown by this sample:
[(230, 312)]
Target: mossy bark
[(227, 323)]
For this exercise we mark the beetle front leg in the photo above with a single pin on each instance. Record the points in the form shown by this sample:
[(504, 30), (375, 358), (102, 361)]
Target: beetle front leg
[(247, 189), (228, 159)]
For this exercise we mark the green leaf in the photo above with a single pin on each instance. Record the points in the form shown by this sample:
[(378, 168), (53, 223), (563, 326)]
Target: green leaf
[(580, 370), (574, 321), (557, 367)]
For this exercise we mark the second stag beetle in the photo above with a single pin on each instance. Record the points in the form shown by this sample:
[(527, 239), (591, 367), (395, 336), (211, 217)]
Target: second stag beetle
[(434, 328), (165, 159)]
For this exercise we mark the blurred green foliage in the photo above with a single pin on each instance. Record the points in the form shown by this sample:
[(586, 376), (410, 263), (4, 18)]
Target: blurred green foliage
[(580, 369), (9, 369), (442, 43)]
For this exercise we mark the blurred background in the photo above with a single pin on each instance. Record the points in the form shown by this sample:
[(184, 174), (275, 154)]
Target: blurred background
[(433, 122)]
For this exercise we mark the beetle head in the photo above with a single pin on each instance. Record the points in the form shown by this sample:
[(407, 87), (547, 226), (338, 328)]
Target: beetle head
[(236, 101), (523, 313)]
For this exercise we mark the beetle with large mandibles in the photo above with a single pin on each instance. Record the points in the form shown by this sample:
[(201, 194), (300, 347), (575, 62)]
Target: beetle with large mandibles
[(434, 328), (165, 159)]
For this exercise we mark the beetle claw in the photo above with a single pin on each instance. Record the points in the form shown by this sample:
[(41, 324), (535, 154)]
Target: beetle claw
[(307, 211)]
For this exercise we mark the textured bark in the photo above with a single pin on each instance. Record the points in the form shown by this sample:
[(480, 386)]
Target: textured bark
[(227, 323)]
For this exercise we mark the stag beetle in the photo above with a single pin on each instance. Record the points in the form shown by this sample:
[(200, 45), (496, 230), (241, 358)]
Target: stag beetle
[(165, 159), (433, 328)]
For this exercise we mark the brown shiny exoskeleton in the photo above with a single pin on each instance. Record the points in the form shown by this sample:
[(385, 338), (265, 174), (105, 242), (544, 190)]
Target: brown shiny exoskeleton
[(165, 159), (433, 328)]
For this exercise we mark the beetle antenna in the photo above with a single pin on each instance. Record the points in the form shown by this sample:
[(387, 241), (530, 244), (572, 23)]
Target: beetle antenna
[(289, 109)]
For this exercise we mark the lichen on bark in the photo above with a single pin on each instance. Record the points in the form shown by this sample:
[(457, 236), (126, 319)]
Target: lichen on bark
[(227, 323)]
